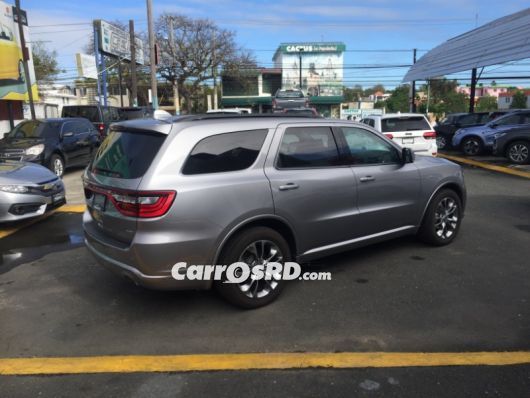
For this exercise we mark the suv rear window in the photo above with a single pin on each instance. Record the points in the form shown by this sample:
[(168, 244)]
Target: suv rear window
[(404, 124), (225, 152), (126, 155), (290, 94), (88, 112)]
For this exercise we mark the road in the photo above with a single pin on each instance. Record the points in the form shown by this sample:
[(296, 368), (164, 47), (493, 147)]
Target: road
[(400, 296)]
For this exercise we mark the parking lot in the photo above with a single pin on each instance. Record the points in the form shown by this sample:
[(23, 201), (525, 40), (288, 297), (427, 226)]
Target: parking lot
[(397, 297)]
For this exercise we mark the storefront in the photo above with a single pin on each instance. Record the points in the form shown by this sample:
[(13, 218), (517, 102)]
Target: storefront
[(316, 68)]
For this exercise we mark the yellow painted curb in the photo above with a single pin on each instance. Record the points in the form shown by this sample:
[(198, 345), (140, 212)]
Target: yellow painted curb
[(24, 224), (71, 209), (487, 166), (231, 362)]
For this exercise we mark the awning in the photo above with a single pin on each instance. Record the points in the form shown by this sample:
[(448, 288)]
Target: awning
[(502, 40)]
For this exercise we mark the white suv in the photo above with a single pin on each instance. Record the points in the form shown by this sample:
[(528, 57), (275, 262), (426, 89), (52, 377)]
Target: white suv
[(410, 130)]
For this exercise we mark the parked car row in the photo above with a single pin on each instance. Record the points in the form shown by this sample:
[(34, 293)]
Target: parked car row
[(503, 133)]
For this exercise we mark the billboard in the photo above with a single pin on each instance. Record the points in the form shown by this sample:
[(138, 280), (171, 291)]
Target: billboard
[(117, 42), (12, 79), (86, 66), (322, 67)]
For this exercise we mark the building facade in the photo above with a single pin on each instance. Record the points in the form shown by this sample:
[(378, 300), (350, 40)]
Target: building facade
[(315, 68)]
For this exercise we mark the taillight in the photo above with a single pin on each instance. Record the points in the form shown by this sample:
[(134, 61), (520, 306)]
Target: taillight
[(388, 135), (429, 135), (143, 204), (101, 128)]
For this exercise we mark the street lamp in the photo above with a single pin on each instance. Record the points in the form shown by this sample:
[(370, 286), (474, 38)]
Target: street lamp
[(300, 51)]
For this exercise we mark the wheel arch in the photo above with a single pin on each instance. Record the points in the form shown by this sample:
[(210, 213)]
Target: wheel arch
[(276, 223), (446, 185)]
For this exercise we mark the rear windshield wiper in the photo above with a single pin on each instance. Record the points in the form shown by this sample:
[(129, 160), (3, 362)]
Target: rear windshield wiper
[(110, 173)]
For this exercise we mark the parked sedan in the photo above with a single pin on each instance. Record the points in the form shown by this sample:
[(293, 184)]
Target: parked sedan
[(28, 190), (54, 143), (514, 144), (476, 140)]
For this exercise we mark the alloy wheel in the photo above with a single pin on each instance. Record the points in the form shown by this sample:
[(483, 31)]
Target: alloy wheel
[(446, 218), (58, 167), (471, 147), (518, 153), (260, 253)]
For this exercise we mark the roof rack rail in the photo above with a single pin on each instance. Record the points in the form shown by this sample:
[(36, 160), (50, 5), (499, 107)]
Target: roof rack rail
[(208, 116)]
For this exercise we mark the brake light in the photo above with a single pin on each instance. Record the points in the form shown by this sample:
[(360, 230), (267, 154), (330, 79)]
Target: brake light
[(143, 204), (429, 135), (101, 128), (389, 135)]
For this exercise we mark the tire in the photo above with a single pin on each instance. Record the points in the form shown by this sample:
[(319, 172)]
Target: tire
[(441, 142), (57, 165), (258, 293), (518, 152), (439, 226), (472, 146)]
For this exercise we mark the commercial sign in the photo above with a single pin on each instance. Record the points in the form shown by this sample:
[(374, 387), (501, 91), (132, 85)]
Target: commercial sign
[(12, 79), (116, 42), (86, 66), (313, 48)]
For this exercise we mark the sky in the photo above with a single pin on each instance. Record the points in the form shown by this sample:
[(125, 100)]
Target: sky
[(367, 27)]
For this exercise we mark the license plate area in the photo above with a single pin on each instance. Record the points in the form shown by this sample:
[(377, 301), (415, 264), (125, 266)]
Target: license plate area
[(99, 201), (58, 197), (408, 140)]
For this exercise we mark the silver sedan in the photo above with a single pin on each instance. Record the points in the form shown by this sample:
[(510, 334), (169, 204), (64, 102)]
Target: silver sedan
[(28, 190)]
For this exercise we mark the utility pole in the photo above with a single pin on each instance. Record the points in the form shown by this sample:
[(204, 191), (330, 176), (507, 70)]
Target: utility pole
[(134, 93), (413, 88), (214, 72), (119, 82), (25, 56), (300, 51), (176, 98), (154, 92), (97, 56)]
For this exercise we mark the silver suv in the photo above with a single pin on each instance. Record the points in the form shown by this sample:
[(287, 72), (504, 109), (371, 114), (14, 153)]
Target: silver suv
[(221, 189)]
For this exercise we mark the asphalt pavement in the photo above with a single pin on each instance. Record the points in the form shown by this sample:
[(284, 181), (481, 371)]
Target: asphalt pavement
[(399, 296)]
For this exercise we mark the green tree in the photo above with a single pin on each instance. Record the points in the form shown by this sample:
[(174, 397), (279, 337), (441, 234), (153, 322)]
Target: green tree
[(486, 104), (399, 99), (352, 94), (45, 63), (518, 100)]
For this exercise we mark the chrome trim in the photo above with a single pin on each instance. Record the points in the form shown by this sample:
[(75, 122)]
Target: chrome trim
[(356, 240)]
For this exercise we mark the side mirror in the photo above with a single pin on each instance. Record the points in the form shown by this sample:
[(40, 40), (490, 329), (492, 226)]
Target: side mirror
[(68, 134), (407, 155)]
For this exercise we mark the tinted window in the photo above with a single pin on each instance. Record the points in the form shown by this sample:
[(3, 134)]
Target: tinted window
[(308, 147), (508, 119), (88, 112), (126, 155), (289, 94), (468, 120), (369, 122), (367, 148), (225, 152), (404, 124), (35, 129)]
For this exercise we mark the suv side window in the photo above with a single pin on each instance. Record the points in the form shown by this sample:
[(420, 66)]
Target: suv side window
[(368, 148), (370, 122), (225, 152), (308, 147), (468, 120)]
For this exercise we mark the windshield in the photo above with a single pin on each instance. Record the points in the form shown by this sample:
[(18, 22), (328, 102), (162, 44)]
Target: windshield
[(126, 155), (29, 129)]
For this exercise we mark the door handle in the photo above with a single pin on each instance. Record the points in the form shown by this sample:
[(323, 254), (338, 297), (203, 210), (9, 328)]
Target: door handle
[(367, 178), (288, 186)]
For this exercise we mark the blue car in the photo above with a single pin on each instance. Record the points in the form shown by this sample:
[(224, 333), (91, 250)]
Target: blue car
[(478, 139)]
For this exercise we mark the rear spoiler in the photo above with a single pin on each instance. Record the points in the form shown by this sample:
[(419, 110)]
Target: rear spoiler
[(143, 126)]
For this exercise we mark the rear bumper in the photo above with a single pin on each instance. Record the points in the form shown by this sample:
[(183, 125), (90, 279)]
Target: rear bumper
[(147, 265)]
